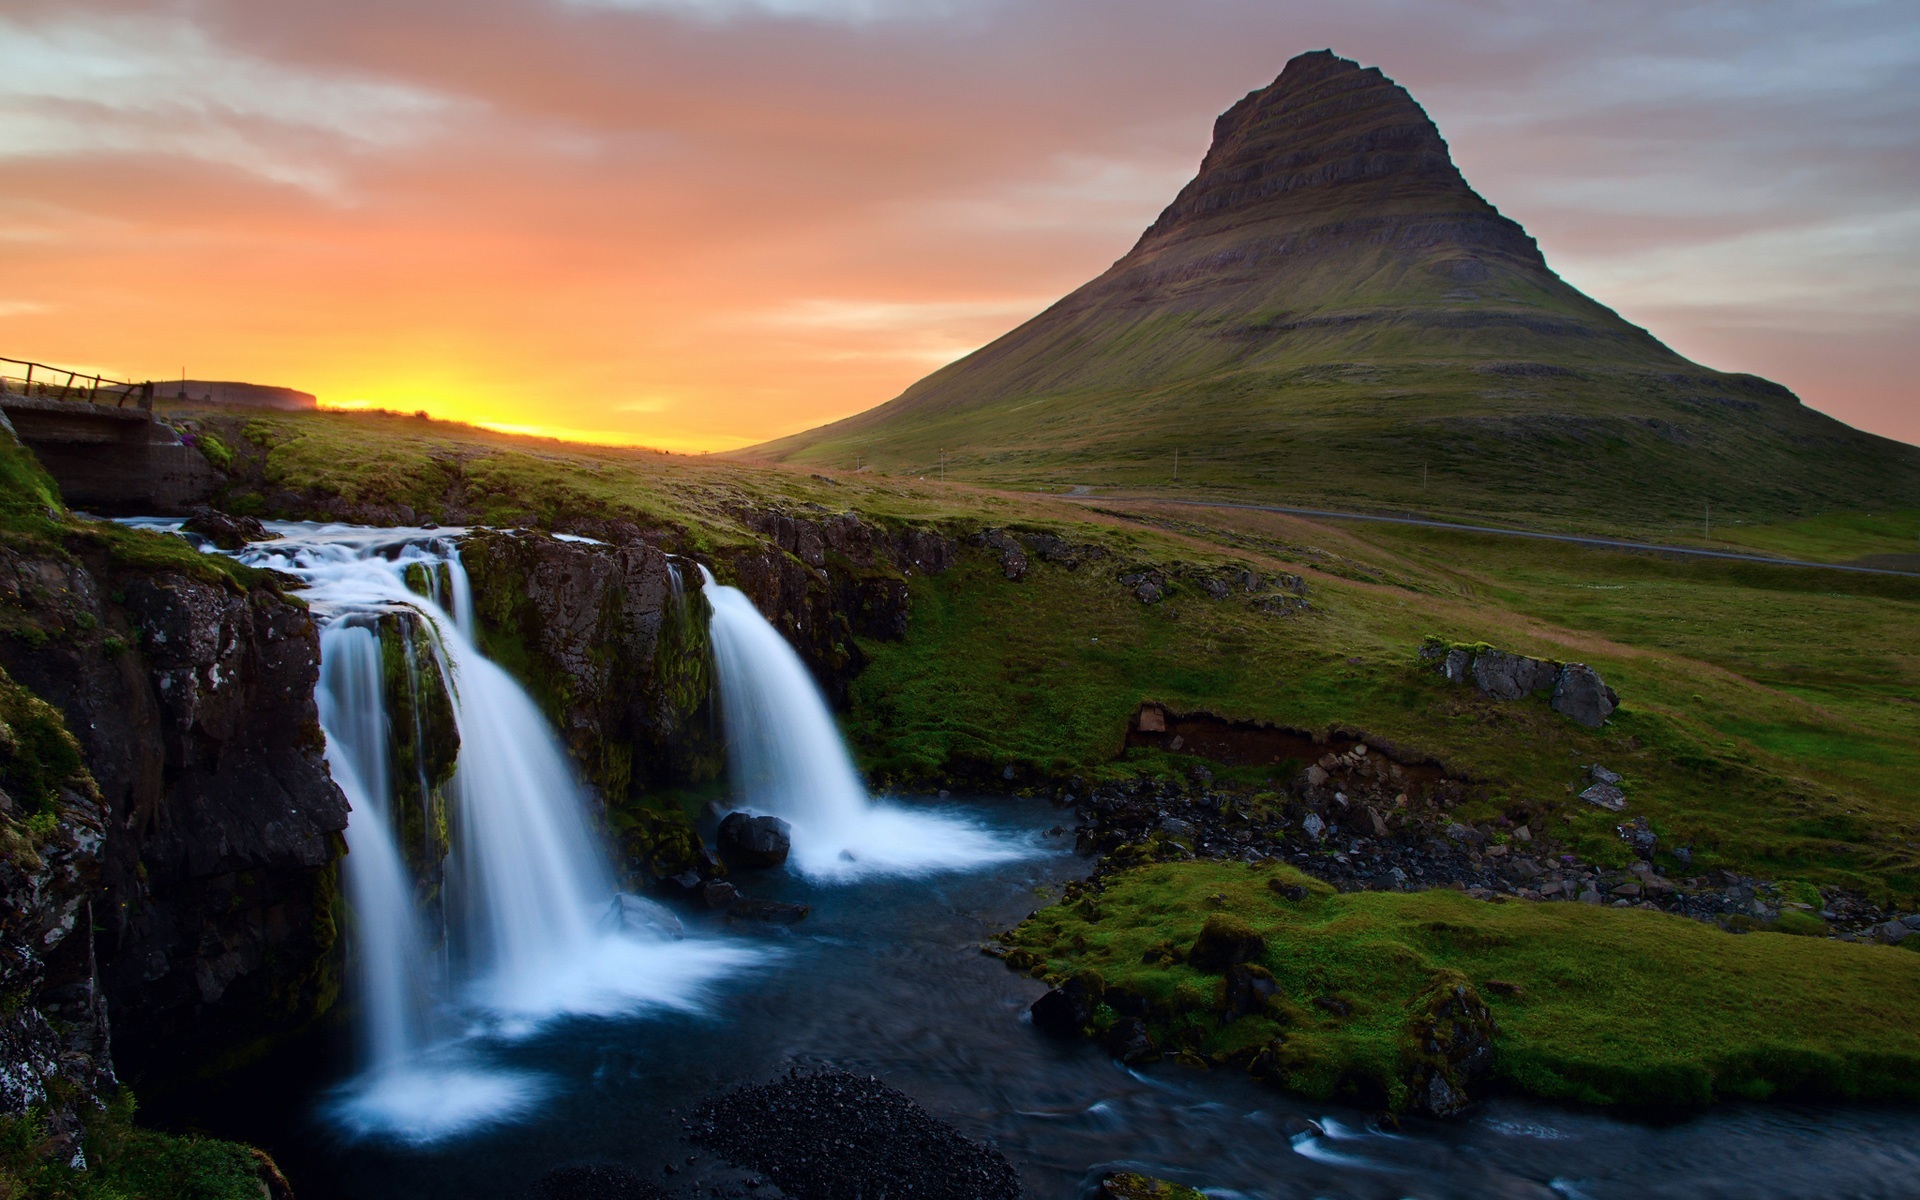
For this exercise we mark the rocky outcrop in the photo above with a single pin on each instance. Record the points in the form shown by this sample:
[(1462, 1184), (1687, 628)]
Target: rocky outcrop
[(1447, 1044), (825, 578), (190, 692), (612, 639), (1576, 690), (53, 1030)]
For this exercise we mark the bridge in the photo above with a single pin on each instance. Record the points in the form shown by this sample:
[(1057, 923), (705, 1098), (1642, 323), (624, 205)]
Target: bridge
[(99, 439)]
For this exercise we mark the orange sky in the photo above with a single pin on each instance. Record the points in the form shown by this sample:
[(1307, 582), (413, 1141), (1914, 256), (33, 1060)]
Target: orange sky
[(697, 224)]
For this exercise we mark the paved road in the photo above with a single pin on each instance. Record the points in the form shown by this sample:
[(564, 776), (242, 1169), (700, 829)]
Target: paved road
[(1608, 543)]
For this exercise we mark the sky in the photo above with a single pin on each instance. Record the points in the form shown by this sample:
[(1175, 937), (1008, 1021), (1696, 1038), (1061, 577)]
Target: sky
[(700, 224)]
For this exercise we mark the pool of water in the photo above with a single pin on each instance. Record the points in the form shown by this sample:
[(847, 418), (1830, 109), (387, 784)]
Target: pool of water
[(886, 977)]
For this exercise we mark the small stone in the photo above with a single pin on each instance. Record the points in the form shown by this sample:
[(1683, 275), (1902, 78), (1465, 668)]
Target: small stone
[(718, 893), (1600, 774), (1314, 826), (1317, 777), (1523, 834), (1606, 796), (1590, 896), (1627, 889)]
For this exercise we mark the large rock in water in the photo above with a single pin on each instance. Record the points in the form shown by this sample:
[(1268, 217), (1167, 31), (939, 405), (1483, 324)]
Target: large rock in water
[(755, 841)]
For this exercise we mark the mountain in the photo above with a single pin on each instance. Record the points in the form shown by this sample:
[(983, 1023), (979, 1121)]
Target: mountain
[(1329, 314)]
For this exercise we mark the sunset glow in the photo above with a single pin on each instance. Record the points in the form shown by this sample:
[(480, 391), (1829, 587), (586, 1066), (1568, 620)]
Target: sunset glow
[(700, 225)]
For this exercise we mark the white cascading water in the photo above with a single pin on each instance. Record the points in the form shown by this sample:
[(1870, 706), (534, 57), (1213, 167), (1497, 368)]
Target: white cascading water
[(532, 911), (353, 715), (788, 761)]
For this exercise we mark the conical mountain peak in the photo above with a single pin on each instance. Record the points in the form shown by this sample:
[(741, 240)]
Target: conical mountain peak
[(1327, 139), (1326, 302)]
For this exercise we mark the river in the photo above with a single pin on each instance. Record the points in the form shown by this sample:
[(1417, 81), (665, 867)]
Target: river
[(886, 977)]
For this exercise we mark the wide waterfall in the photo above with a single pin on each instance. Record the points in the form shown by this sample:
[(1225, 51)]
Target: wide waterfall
[(788, 760), (528, 914)]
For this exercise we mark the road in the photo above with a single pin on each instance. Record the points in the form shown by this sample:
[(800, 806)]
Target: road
[(1574, 539)]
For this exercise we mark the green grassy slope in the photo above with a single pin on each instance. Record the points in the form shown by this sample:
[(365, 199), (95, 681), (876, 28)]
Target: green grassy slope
[(1329, 316), (1593, 1005), (1771, 715)]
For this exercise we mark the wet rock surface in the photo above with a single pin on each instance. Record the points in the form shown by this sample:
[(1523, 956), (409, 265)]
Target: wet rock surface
[(193, 704), (831, 1135), (752, 841)]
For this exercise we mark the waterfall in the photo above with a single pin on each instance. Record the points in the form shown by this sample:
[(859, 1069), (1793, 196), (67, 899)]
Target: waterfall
[(788, 760), (387, 942), (533, 927)]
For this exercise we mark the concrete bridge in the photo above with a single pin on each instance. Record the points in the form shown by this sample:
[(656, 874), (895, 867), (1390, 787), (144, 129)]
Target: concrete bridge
[(110, 454)]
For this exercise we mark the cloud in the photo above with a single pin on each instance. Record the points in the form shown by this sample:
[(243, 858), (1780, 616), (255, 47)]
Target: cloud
[(705, 222), (854, 12), (152, 85)]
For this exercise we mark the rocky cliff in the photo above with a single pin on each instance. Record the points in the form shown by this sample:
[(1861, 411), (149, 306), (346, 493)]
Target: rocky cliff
[(189, 690), (53, 1030)]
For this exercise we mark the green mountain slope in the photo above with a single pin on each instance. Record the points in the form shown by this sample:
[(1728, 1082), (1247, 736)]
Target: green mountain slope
[(1329, 314)]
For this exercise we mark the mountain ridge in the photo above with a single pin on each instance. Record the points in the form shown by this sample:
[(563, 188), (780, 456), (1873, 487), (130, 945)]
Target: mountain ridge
[(1328, 285)]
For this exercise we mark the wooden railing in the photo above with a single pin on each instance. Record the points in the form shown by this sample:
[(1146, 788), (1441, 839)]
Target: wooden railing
[(57, 383)]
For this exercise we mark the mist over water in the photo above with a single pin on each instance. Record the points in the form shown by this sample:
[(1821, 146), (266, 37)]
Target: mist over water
[(529, 889), (788, 761)]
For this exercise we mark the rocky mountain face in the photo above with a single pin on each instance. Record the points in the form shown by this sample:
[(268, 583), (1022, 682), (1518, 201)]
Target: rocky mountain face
[(1329, 289), (210, 852)]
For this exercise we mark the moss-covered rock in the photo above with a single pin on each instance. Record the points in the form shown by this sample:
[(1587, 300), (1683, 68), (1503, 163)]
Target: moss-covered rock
[(425, 744), (1126, 1185)]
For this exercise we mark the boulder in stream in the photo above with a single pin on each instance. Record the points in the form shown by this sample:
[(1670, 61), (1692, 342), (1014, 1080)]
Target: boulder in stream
[(755, 841)]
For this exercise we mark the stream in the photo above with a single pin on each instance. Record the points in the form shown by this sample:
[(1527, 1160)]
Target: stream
[(558, 1024), (886, 977)]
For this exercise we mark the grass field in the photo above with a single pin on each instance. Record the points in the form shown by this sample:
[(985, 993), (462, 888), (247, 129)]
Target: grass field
[(1771, 715), (1594, 1005)]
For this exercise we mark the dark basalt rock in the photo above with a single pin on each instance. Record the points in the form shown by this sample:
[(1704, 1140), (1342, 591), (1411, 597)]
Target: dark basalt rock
[(1065, 1011), (224, 529), (1580, 695), (193, 703), (830, 1135), (53, 1028), (1246, 988), (1223, 942), (1448, 1044), (755, 841)]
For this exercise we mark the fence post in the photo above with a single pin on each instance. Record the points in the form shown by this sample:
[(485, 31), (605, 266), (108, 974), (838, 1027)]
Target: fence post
[(146, 396)]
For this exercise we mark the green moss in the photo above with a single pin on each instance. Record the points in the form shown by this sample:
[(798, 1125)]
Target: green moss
[(126, 1162), (425, 743), (216, 451), (38, 756), (1126, 1185), (1598, 1005)]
